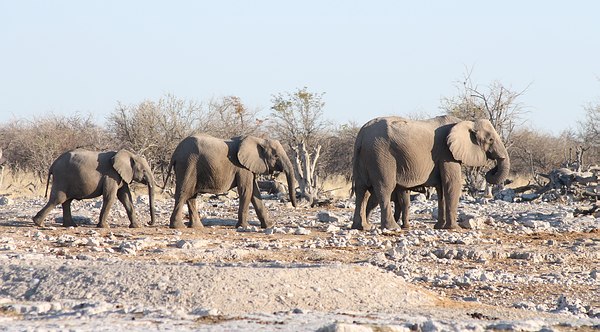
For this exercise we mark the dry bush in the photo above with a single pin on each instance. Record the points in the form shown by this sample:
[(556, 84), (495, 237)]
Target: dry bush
[(535, 152), (228, 117), (32, 145)]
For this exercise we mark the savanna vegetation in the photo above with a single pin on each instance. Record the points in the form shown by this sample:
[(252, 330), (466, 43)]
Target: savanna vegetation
[(319, 149)]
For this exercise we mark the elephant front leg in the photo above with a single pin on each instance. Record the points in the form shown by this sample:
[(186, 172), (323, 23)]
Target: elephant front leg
[(108, 197), (124, 196), (452, 187), (261, 212), (360, 220), (441, 208), (245, 197)]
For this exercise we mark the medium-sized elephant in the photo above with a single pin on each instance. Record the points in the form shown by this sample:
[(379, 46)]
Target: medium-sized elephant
[(392, 152), (81, 174), (205, 164)]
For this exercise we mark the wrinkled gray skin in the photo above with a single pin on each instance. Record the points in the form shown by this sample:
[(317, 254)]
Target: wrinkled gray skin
[(393, 152), (205, 164), (81, 174)]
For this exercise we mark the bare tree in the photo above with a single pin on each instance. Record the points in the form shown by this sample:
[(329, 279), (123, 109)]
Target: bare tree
[(228, 117), (298, 122), (496, 103)]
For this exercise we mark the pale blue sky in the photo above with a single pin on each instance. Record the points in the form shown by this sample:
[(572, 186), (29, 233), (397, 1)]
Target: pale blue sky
[(371, 58)]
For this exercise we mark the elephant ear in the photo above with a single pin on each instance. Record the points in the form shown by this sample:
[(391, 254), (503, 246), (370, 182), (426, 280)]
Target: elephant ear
[(462, 141), (122, 164), (251, 155)]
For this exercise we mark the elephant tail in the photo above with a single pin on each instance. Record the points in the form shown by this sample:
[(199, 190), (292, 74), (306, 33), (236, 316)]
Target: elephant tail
[(48, 182), (171, 164)]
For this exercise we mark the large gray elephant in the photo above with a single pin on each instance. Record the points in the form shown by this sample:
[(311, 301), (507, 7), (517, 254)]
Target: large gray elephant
[(393, 152), (81, 174), (205, 164)]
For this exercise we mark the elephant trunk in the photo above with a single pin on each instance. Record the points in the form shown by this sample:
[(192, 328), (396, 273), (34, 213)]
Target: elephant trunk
[(151, 198), (499, 173)]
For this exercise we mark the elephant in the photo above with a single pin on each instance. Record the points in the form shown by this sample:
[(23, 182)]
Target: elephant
[(81, 174), (205, 164), (394, 152)]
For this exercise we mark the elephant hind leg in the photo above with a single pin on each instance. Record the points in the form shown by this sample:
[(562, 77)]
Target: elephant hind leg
[(360, 220), (56, 198), (384, 195), (181, 198), (195, 221), (67, 217)]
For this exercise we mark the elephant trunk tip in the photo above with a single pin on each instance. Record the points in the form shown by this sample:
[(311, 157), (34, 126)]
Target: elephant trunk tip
[(499, 173)]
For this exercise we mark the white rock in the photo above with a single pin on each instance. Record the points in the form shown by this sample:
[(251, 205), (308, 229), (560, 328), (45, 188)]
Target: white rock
[(332, 229), (205, 312), (345, 327), (536, 224), (302, 231), (249, 229), (143, 199)]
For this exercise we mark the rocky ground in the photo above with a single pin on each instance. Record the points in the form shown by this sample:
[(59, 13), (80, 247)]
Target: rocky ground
[(516, 266)]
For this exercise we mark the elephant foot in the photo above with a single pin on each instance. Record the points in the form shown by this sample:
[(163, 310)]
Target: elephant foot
[(405, 226), (177, 225), (38, 222), (452, 225), (438, 225), (103, 225), (196, 224), (242, 224), (266, 224), (362, 227), (135, 225), (69, 223), (390, 226)]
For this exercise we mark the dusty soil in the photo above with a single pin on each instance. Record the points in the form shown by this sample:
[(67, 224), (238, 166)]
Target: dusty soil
[(521, 266)]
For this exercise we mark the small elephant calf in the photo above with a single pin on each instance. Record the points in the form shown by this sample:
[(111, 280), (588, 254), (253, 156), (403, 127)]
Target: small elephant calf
[(81, 174)]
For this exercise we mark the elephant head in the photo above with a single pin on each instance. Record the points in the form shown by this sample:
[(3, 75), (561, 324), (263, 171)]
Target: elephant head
[(266, 156), (132, 167), (474, 143)]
